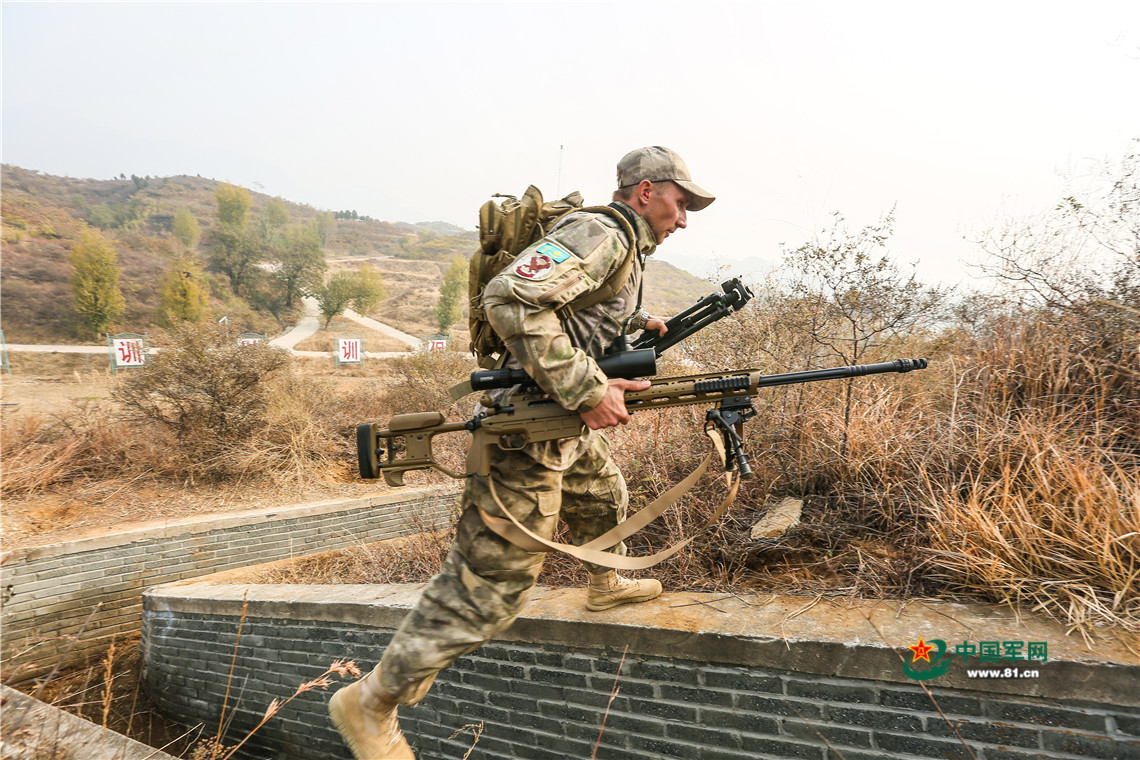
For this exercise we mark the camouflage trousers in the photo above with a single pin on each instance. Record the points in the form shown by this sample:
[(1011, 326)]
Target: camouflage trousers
[(485, 580)]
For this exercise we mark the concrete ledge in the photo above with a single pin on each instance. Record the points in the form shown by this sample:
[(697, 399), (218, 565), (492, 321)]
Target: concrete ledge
[(701, 676), (33, 729), (159, 529), (855, 639), (62, 601)]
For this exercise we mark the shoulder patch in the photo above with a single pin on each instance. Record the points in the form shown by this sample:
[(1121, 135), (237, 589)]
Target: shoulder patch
[(534, 266), (585, 235), (553, 251)]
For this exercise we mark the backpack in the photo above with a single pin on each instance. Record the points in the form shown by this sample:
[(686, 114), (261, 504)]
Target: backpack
[(507, 230)]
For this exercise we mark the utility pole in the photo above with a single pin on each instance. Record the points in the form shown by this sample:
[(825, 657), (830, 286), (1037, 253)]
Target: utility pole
[(558, 194)]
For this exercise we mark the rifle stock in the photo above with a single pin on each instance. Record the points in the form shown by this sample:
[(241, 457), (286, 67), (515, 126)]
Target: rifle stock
[(533, 417)]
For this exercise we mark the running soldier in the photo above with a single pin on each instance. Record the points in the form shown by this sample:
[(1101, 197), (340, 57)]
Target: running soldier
[(486, 580)]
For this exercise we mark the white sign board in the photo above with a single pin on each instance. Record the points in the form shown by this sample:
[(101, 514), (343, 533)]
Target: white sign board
[(437, 345), (348, 351), (129, 352), (249, 341)]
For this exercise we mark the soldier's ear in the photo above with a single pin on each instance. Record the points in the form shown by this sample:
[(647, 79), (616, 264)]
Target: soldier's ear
[(643, 193)]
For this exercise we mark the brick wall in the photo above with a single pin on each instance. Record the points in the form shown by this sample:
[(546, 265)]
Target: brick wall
[(703, 678), (66, 600)]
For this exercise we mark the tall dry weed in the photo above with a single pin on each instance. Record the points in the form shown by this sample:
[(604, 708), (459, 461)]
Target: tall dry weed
[(40, 452), (1037, 499)]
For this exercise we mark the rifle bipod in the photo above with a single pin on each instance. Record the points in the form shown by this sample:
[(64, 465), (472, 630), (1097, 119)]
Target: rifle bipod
[(729, 418)]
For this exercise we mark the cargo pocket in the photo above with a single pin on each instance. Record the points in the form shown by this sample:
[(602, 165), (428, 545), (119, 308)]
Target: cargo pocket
[(549, 503)]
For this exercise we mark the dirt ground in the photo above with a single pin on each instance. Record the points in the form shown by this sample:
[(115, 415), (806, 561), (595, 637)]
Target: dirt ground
[(57, 385)]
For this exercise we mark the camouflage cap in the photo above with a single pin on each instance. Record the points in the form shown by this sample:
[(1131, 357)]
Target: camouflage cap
[(658, 164)]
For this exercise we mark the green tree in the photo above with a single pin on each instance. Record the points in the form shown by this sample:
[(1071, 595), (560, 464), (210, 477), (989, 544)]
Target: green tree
[(326, 224), (101, 216), (186, 227), (233, 204), (183, 297), (96, 296), (299, 262), (128, 215), (236, 255), (449, 307), (276, 215), (369, 289), (238, 250), (363, 290)]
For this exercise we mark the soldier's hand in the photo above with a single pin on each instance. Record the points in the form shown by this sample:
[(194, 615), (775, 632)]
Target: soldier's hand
[(611, 411), (656, 323)]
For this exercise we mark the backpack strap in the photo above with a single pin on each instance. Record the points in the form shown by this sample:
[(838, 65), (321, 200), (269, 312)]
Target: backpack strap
[(619, 277)]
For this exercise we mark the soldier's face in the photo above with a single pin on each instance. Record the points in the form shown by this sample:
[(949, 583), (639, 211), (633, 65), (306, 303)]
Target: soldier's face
[(666, 209)]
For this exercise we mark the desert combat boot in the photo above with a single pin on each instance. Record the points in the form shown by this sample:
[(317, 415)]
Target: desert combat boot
[(367, 721), (610, 589)]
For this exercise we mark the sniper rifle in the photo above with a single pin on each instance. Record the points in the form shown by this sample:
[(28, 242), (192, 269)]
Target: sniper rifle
[(532, 416)]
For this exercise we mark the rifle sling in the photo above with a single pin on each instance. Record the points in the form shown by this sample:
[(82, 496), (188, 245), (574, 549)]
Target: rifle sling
[(515, 532)]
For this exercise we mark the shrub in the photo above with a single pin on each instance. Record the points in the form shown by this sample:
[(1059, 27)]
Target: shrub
[(204, 387), (424, 381)]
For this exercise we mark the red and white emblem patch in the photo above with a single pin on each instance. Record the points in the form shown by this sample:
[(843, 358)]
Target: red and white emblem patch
[(536, 266)]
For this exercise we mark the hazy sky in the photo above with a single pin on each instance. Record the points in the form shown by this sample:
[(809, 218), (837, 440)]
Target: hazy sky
[(956, 114)]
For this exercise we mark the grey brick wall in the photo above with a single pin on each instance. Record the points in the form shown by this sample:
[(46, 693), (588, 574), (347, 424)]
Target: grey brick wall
[(545, 698), (64, 601)]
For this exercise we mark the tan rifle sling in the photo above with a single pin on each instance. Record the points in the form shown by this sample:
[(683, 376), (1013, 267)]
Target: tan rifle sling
[(515, 532)]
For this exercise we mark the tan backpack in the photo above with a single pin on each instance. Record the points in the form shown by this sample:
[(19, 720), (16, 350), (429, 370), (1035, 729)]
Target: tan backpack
[(507, 230)]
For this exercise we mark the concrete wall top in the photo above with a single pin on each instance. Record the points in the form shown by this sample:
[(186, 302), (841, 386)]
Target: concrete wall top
[(828, 637), (39, 730), (161, 529)]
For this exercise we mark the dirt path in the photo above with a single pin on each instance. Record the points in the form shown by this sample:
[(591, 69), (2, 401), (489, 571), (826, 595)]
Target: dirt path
[(309, 325)]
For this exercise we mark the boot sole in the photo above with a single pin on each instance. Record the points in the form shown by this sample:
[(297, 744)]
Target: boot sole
[(595, 607)]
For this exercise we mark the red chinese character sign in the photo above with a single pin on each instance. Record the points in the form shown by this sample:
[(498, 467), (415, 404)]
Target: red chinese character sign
[(349, 350), (250, 339), (127, 350), (437, 342)]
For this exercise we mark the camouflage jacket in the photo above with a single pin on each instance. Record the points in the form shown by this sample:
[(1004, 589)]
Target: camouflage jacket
[(521, 301)]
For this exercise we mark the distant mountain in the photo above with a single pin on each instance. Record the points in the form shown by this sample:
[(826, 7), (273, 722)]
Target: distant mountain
[(42, 216), (440, 228), (753, 269)]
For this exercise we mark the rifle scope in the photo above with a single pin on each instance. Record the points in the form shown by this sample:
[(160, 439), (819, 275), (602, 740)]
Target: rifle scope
[(627, 365)]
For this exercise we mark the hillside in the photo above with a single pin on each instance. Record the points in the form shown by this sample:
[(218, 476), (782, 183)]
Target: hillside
[(44, 214)]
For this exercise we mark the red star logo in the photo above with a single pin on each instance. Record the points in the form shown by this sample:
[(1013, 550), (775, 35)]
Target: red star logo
[(921, 650)]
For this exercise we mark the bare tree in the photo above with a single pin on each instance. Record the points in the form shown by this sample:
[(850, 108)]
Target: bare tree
[(853, 297)]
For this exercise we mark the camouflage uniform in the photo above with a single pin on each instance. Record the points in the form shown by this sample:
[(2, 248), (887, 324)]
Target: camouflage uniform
[(486, 580)]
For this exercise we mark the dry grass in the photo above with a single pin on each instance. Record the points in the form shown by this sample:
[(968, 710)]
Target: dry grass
[(1040, 503), (403, 560), (85, 468), (106, 690)]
